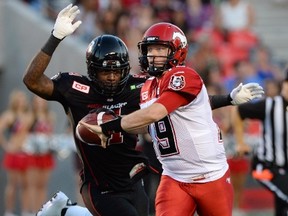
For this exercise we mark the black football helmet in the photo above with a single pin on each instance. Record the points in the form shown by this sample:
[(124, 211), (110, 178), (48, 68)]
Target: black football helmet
[(108, 53), (163, 34)]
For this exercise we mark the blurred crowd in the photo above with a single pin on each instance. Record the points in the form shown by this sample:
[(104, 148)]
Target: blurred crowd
[(223, 46)]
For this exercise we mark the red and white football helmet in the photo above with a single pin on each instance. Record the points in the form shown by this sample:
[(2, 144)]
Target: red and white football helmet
[(163, 34)]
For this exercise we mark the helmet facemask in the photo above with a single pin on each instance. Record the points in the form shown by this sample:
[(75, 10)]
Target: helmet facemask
[(105, 87), (168, 35), (108, 53), (152, 68)]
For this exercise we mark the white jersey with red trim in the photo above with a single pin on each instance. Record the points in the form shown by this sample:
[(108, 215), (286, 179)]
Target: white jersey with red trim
[(187, 141)]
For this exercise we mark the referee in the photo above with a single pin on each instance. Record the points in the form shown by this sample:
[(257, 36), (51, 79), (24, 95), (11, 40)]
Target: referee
[(270, 155)]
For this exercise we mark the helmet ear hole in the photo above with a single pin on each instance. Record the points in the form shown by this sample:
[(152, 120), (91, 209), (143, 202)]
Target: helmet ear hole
[(107, 53), (174, 62)]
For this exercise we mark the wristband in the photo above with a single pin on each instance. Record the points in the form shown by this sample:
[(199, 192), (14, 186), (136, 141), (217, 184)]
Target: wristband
[(112, 126), (218, 101), (51, 45)]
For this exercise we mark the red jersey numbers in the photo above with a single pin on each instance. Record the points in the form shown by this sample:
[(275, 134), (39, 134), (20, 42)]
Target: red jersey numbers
[(177, 82), (80, 87)]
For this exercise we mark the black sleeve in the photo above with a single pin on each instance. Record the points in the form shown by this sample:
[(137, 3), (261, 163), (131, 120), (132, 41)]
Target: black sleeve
[(61, 83), (253, 110), (218, 101)]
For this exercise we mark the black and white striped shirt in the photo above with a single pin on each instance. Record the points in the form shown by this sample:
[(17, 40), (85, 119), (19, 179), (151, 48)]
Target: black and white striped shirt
[(273, 112)]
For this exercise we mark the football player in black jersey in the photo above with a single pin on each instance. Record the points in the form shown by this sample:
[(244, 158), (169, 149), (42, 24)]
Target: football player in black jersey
[(112, 183), (110, 176)]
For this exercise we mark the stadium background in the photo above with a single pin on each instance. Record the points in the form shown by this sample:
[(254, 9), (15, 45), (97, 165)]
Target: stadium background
[(22, 32)]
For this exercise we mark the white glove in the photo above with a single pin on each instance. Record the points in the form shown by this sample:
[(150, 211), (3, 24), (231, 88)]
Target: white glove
[(63, 25), (245, 93)]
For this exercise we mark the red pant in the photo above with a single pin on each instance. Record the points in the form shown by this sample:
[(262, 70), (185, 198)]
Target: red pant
[(212, 198)]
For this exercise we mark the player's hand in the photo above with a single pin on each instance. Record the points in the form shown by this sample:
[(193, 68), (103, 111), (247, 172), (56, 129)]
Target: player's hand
[(63, 25), (242, 149), (97, 130), (245, 93)]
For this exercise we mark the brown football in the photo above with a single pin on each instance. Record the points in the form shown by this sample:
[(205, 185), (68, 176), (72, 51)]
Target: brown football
[(94, 118)]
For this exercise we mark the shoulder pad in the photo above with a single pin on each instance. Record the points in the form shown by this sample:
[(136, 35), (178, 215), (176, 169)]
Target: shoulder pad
[(141, 75), (65, 74), (56, 76), (180, 69), (74, 74)]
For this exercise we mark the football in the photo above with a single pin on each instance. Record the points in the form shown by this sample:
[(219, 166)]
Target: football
[(94, 118)]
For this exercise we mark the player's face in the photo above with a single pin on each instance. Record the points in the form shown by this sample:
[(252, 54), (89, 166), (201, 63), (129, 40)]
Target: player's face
[(110, 78), (157, 55)]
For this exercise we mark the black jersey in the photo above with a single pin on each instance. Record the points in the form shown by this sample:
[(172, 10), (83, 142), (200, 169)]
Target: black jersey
[(111, 168)]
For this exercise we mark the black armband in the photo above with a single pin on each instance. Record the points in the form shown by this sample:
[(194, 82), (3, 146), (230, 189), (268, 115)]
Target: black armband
[(51, 45), (112, 126), (218, 101)]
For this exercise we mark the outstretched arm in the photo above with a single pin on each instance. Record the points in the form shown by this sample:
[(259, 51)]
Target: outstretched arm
[(34, 77), (240, 94), (135, 122)]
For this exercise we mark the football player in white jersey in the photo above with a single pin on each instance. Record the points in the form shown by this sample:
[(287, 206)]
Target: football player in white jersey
[(171, 148), (176, 108)]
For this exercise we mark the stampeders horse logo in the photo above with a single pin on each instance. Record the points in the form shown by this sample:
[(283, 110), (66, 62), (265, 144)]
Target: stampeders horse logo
[(177, 82)]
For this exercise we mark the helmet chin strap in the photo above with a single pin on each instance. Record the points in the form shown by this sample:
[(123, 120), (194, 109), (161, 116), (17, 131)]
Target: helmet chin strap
[(157, 71)]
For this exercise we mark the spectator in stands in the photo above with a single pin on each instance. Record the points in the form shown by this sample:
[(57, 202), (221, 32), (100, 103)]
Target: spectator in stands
[(243, 72), (163, 10), (266, 67), (179, 18), (142, 17), (234, 20), (134, 35), (235, 15), (123, 23), (52, 7), (89, 16), (204, 59), (107, 21), (199, 14)]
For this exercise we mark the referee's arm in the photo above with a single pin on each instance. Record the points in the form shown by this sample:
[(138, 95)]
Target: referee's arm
[(252, 110)]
